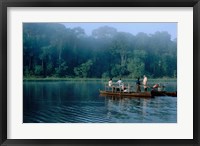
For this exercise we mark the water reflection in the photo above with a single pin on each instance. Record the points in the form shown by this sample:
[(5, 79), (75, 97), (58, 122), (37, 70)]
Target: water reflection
[(79, 102), (142, 110)]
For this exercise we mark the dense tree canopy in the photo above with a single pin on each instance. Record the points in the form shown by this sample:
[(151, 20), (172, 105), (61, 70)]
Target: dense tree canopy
[(53, 50)]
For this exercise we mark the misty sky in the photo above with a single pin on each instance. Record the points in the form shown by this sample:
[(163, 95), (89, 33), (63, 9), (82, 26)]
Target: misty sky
[(133, 28)]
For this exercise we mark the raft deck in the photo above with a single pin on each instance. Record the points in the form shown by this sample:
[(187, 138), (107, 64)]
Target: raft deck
[(129, 92)]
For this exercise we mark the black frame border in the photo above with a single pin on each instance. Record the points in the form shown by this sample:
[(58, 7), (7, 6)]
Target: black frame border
[(4, 4)]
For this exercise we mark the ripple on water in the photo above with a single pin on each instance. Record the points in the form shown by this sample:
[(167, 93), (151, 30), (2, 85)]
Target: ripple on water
[(78, 105)]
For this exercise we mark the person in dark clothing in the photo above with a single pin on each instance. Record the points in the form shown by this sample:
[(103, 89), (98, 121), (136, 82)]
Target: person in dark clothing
[(138, 85)]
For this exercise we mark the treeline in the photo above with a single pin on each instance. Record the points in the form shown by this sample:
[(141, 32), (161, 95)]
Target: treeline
[(53, 50)]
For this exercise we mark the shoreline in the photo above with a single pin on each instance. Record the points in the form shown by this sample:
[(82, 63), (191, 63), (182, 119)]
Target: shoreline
[(93, 79)]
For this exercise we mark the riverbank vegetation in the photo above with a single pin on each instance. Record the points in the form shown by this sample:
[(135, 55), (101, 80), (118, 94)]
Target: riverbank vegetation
[(54, 51)]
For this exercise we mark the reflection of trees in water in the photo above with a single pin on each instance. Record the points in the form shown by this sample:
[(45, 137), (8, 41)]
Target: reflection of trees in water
[(144, 107), (138, 106), (122, 104)]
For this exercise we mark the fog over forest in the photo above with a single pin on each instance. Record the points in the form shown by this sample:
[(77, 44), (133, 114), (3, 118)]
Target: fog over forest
[(54, 50)]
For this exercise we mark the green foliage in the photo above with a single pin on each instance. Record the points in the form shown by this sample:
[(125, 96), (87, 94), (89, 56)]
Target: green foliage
[(105, 75), (61, 71), (115, 71), (83, 69), (53, 50), (136, 68), (50, 69), (38, 70), (104, 32)]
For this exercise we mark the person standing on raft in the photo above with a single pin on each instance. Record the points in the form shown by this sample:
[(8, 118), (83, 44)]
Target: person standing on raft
[(145, 83)]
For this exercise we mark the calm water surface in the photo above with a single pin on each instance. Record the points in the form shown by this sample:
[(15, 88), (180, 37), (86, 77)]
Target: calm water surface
[(79, 102)]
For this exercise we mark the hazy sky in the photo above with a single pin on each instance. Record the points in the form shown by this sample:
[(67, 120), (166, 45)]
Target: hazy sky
[(133, 28)]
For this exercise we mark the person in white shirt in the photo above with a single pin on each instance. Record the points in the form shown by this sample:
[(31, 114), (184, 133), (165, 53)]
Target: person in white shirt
[(119, 82), (145, 83), (110, 83)]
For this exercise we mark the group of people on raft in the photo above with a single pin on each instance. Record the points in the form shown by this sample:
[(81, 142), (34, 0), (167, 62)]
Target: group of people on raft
[(121, 86)]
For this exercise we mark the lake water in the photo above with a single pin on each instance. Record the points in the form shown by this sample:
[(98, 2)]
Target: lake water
[(79, 102)]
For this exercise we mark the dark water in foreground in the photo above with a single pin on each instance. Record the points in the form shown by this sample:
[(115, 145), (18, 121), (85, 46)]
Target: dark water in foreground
[(79, 102)]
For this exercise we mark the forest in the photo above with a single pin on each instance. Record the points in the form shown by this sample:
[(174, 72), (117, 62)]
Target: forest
[(54, 50)]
